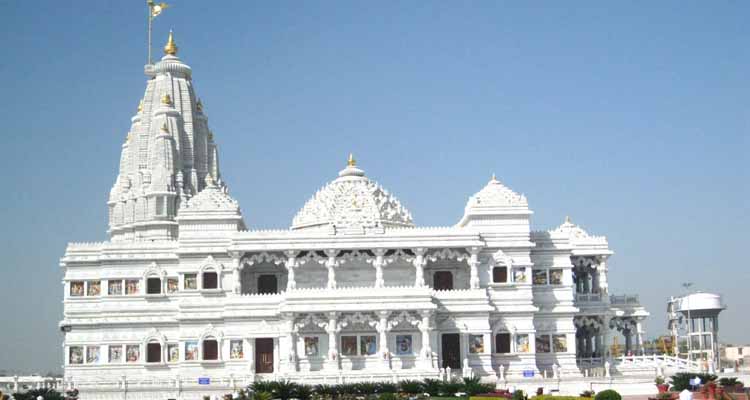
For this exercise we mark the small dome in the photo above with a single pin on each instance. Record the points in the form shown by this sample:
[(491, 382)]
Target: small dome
[(352, 203), (211, 198), (494, 195)]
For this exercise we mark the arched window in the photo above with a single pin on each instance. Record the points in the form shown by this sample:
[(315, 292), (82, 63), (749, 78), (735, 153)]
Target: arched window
[(442, 280), (154, 279), (210, 279), (153, 285), (502, 343), (153, 352), (210, 349), (500, 274)]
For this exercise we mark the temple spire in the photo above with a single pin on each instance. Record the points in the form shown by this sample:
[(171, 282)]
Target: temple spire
[(351, 162), (170, 48)]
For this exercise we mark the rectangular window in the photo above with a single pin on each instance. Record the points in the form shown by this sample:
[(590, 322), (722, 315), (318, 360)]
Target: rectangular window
[(115, 354), (404, 344), (114, 288), (442, 280), (76, 288), (132, 353), (191, 281), (235, 350), (153, 286), (542, 344), (92, 355), (500, 274), (560, 343), (94, 288), (555, 276), (191, 351), (519, 275), (522, 343), (173, 352), (76, 355), (172, 285), (210, 280), (349, 345), (540, 276), (502, 343), (160, 205), (476, 344), (312, 346), (368, 345), (132, 286), (210, 350)]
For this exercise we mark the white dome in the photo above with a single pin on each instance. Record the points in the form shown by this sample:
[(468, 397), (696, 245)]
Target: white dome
[(352, 203)]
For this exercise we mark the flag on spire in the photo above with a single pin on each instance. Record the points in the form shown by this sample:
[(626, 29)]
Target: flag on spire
[(156, 8)]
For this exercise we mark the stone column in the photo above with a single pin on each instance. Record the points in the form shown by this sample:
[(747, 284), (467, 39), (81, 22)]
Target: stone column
[(598, 345), (638, 337), (331, 267), (288, 344), (628, 341), (332, 329), (237, 271), (419, 263), (602, 272), (251, 355), (383, 329), (606, 336), (474, 268), (378, 264), (291, 263), (425, 328), (276, 355)]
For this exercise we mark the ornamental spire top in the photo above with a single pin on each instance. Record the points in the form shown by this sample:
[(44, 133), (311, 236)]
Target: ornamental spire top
[(351, 162), (170, 48)]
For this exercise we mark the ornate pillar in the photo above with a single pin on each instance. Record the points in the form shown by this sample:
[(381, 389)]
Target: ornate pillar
[(251, 355), (237, 271), (628, 341), (638, 337), (330, 266), (383, 329), (606, 336), (425, 328), (289, 344), (291, 263), (602, 272), (419, 263), (474, 268), (598, 345), (332, 329), (378, 264)]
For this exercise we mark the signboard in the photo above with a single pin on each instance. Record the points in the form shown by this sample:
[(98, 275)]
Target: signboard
[(529, 373), (204, 381)]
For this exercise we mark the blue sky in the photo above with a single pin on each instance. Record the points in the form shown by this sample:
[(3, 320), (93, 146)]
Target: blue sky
[(631, 117)]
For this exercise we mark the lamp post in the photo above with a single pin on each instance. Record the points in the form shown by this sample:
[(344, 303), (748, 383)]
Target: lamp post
[(687, 286)]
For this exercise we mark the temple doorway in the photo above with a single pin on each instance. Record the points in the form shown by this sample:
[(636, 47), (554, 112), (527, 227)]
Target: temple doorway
[(451, 350), (264, 355)]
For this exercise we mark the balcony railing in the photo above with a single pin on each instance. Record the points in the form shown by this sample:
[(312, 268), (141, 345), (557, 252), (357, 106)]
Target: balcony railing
[(588, 297), (624, 299)]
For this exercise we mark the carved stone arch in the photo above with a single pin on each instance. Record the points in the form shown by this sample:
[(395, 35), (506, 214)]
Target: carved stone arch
[(154, 335), (210, 263), (211, 333), (311, 320), (154, 270), (502, 326), (403, 317), (263, 257), (500, 258), (447, 254)]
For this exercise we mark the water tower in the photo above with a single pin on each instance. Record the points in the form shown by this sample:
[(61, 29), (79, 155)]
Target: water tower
[(694, 323)]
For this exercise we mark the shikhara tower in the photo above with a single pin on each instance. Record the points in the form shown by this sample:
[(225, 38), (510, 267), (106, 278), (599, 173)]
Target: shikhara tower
[(167, 155), (353, 290)]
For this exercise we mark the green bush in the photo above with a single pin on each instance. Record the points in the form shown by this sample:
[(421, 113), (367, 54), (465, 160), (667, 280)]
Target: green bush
[(729, 381), (262, 396), (48, 394), (326, 391), (472, 386), (608, 394), (451, 388), (411, 387), (388, 396), (519, 395), (681, 381), (387, 387), (553, 397)]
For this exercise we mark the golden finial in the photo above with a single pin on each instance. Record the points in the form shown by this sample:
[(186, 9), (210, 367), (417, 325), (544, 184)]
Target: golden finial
[(170, 48), (351, 162), (166, 99), (199, 105), (494, 178), (140, 105), (164, 128), (210, 135), (567, 220)]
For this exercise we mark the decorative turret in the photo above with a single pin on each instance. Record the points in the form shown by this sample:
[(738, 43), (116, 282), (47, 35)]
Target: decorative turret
[(497, 208), (166, 157)]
